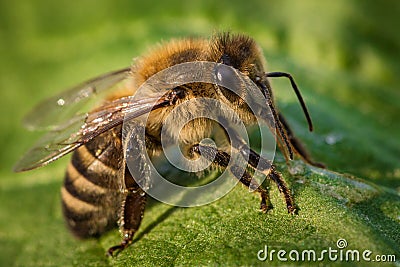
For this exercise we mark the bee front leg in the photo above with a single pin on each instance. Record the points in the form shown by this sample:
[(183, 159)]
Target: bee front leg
[(222, 160), (297, 145), (255, 162), (267, 168), (131, 213), (247, 179)]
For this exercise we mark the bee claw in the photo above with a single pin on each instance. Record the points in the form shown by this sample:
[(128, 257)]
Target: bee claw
[(115, 250), (264, 208), (292, 210)]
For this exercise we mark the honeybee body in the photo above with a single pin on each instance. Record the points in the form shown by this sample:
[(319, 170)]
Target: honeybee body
[(99, 191)]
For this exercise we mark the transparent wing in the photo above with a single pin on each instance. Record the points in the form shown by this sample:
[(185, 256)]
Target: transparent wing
[(62, 110), (84, 128)]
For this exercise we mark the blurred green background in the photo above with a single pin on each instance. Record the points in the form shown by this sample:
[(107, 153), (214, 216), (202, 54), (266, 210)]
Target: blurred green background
[(345, 58)]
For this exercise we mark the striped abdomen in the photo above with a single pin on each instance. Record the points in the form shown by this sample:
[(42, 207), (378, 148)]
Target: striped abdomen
[(91, 199)]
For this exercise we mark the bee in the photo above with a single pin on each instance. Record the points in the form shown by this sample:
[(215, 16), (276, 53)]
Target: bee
[(99, 191)]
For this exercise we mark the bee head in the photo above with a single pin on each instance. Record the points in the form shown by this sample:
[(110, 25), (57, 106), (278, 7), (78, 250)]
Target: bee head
[(242, 53), (238, 51)]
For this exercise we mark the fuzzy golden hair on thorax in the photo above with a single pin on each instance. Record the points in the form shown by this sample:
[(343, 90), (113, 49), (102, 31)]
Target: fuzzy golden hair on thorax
[(168, 54)]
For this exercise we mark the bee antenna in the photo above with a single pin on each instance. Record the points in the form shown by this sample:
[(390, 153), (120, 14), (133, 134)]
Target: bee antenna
[(297, 91), (278, 123)]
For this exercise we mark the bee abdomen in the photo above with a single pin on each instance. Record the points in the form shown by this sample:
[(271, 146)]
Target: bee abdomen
[(90, 194)]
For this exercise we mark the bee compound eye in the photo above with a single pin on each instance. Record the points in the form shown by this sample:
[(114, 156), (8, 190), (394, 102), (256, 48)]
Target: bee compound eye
[(227, 77)]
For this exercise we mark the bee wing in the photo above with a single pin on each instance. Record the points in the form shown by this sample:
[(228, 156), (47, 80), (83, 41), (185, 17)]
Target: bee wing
[(62, 110), (83, 128)]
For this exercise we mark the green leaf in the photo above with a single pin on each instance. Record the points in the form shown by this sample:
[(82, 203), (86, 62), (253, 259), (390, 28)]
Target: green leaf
[(344, 57)]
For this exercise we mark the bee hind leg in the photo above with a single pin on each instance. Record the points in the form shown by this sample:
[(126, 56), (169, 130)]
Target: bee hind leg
[(131, 213)]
